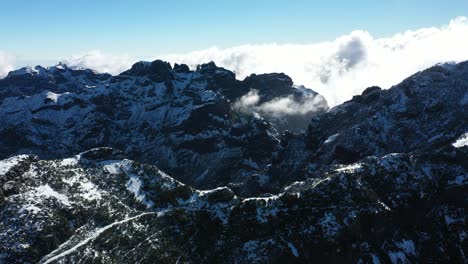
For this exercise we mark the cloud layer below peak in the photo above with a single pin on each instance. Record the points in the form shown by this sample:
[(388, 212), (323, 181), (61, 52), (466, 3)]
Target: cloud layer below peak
[(7, 61), (346, 66), (336, 69)]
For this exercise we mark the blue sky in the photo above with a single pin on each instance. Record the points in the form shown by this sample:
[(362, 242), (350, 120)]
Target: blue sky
[(50, 30)]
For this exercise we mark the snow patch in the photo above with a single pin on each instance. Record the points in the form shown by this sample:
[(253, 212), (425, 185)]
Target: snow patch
[(461, 141), (46, 190), (70, 161), (52, 257), (7, 164), (331, 138), (351, 168), (134, 185)]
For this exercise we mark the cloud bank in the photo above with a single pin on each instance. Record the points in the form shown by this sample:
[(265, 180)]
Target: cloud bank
[(336, 69), (7, 62), (282, 106), (346, 66), (101, 62)]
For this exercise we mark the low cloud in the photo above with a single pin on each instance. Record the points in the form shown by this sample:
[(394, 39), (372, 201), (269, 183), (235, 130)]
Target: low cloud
[(7, 61), (247, 102), (336, 69), (101, 62), (279, 107), (346, 66)]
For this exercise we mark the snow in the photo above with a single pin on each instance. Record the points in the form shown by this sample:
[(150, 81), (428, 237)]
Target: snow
[(207, 192), (134, 185), (23, 71), (7, 164), (351, 168), (293, 249), (266, 199), (69, 161), (88, 190), (91, 191), (116, 166), (46, 190), (461, 141), (384, 206), (30, 208), (53, 96), (331, 138), (51, 258)]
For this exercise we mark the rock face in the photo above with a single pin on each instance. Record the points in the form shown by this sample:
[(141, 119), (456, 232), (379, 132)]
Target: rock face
[(29, 81), (179, 120), (162, 164), (395, 208), (424, 112)]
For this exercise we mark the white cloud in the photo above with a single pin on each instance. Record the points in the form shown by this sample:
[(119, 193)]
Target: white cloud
[(336, 69), (247, 102), (279, 107), (288, 106), (346, 66), (101, 62), (7, 62)]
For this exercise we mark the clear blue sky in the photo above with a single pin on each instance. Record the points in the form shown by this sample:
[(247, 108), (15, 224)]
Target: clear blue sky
[(50, 30)]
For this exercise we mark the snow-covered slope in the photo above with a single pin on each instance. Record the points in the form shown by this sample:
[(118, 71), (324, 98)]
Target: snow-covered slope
[(164, 164), (180, 120), (97, 207), (29, 81)]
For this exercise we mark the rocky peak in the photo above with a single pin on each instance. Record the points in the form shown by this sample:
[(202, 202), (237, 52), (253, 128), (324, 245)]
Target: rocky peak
[(29, 81), (270, 85), (181, 68)]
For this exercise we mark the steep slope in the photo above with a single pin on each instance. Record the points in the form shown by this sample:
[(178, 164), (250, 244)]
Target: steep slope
[(425, 111), (180, 120), (97, 207), (29, 81)]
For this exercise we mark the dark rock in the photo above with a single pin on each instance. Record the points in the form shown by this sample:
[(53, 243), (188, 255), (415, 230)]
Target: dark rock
[(103, 153), (181, 68)]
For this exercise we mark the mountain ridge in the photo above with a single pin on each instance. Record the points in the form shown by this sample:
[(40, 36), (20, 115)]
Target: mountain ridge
[(156, 164)]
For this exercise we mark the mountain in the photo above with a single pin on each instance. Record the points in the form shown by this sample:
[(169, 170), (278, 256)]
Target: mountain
[(60, 78), (165, 164), (180, 120)]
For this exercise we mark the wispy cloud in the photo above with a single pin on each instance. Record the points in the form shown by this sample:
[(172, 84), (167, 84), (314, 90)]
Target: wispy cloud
[(7, 61), (281, 106)]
